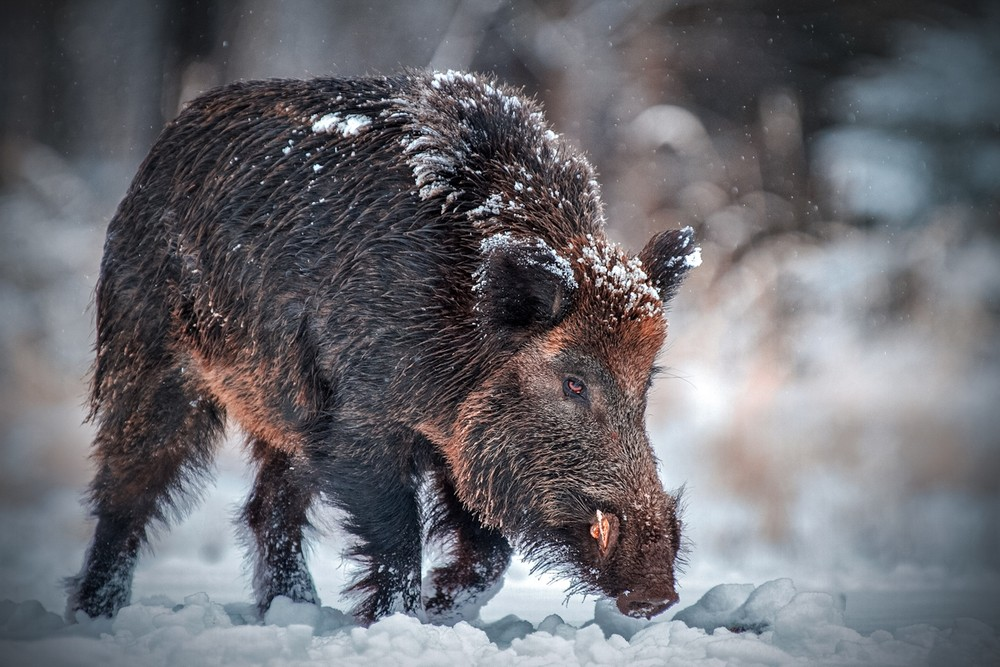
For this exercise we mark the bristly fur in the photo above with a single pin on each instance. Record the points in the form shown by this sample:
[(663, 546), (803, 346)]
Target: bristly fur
[(386, 283), (686, 544)]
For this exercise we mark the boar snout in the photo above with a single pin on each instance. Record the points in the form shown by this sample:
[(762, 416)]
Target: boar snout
[(646, 603)]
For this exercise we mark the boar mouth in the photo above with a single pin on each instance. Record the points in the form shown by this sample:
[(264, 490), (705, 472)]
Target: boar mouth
[(641, 605)]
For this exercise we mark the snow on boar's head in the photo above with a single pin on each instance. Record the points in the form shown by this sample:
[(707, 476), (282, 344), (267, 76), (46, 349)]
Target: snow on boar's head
[(552, 449)]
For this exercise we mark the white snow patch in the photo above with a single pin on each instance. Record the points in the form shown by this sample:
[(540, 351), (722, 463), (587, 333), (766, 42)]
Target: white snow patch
[(558, 265), (693, 259), (431, 165), (492, 206), (348, 126), (621, 277), (452, 77)]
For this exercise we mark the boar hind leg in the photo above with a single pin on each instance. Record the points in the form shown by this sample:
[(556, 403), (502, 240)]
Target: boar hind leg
[(154, 440), (276, 514), (478, 558)]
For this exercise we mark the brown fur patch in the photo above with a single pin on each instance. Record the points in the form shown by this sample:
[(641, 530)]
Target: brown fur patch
[(246, 401)]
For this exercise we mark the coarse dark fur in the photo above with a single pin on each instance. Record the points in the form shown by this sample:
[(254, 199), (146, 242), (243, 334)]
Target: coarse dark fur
[(399, 288)]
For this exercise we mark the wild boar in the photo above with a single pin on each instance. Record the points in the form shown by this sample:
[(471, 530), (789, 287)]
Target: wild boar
[(399, 288)]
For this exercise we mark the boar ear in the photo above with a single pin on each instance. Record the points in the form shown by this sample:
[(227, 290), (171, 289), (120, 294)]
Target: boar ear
[(668, 257), (523, 283)]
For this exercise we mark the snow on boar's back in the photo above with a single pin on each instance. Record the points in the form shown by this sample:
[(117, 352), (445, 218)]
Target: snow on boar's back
[(400, 289)]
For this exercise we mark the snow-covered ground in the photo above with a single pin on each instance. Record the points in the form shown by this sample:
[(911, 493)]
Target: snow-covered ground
[(788, 626)]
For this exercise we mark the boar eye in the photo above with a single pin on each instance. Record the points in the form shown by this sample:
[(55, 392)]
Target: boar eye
[(575, 388)]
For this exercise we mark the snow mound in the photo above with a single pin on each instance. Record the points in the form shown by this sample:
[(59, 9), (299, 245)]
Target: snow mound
[(778, 625), (739, 607)]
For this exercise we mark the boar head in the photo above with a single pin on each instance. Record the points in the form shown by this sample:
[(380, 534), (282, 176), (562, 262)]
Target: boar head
[(552, 448)]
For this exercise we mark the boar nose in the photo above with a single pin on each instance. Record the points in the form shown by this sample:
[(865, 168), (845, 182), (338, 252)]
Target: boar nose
[(641, 604)]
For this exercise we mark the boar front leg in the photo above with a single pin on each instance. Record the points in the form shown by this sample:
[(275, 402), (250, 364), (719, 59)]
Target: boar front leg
[(478, 558), (372, 481)]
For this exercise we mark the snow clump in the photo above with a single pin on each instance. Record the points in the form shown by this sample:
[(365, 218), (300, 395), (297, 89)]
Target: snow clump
[(348, 126), (621, 278), (549, 259)]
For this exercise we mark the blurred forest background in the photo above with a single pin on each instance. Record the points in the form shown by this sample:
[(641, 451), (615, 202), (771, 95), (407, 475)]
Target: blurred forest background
[(835, 399)]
